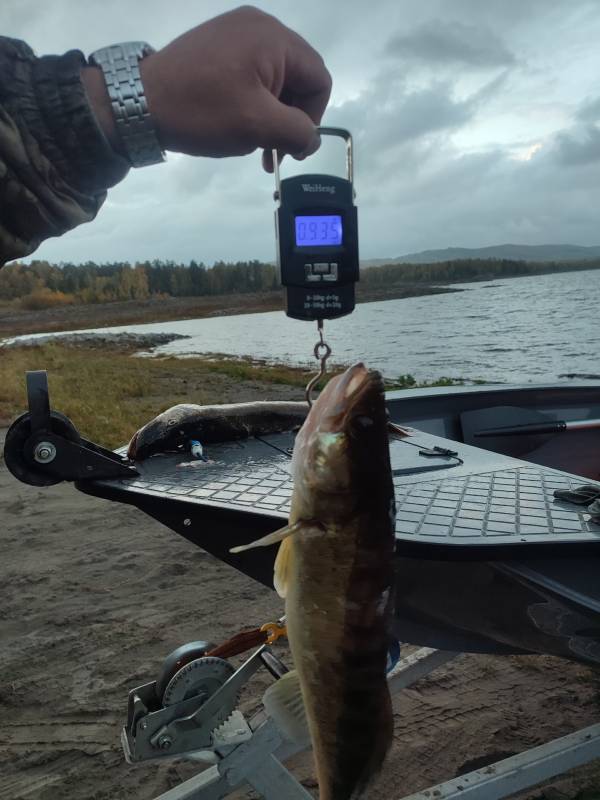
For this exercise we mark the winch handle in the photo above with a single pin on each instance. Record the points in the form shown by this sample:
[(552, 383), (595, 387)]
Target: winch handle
[(324, 131)]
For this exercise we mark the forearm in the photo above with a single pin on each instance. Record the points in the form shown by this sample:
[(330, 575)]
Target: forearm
[(238, 82), (56, 162)]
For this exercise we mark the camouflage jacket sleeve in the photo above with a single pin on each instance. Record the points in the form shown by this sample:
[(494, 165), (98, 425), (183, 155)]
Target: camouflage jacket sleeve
[(55, 162)]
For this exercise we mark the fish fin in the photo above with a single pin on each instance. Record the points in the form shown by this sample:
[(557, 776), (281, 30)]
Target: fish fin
[(270, 538), (283, 703), (281, 571)]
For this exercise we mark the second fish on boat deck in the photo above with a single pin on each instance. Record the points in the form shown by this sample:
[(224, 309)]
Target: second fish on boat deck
[(173, 429)]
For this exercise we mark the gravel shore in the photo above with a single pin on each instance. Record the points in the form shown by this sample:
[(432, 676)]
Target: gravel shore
[(115, 341)]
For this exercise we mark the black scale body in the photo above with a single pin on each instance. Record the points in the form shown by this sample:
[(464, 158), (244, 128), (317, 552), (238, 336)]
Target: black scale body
[(319, 278)]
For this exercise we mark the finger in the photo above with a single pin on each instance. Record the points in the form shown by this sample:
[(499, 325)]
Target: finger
[(267, 160), (267, 156), (285, 128), (307, 81)]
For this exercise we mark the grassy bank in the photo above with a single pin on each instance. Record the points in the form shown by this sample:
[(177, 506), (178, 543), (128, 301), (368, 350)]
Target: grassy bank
[(108, 394)]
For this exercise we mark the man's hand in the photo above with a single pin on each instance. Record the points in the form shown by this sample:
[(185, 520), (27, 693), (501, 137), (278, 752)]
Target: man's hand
[(236, 83)]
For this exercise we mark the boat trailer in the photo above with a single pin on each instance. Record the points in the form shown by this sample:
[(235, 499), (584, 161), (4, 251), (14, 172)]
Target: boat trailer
[(252, 752), (190, 712)]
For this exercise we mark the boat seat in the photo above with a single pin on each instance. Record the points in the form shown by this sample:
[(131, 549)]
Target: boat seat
[(571, 452)]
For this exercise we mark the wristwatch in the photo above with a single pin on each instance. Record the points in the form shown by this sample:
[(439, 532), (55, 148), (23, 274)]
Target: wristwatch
[(120, 65)]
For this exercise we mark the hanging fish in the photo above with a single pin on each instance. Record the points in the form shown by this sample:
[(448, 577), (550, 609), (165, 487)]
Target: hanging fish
[(334, 568)]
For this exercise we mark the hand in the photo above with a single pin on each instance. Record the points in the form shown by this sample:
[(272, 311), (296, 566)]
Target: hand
[(236, 83)]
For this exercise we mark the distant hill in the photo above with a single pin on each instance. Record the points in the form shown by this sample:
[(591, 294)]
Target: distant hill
[(514, 252)]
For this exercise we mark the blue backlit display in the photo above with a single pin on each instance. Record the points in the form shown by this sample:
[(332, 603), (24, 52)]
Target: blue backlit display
[(318, 231)]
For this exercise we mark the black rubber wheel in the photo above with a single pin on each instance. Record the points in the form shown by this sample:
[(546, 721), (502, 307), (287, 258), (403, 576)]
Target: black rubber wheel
[(14, 448)]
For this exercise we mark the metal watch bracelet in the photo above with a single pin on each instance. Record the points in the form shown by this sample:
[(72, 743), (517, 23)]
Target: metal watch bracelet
[(135, 126)]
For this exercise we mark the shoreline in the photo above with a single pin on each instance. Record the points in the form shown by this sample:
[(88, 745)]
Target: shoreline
[(122, 342), (108, 394), (15, 321)]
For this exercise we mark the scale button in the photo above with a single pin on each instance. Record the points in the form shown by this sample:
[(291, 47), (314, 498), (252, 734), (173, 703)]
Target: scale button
[(332, 273), (310, 273), (321, 267)]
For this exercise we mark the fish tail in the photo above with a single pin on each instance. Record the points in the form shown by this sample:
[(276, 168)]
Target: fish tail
[(362, 734), (380, 745), (370, 732)]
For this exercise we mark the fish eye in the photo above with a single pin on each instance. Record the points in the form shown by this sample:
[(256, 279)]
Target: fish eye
[(361, 424)]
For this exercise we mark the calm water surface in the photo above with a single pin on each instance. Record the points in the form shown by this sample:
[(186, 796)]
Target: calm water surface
[(514, 330)]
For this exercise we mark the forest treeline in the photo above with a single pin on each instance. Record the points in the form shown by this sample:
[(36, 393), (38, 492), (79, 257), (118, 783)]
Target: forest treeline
[(43, 285)]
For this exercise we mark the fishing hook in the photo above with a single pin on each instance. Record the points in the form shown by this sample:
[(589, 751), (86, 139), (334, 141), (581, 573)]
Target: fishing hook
[(322, 352)]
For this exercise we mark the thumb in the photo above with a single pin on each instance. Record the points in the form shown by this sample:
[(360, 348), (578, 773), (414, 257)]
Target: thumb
[(286, 128)]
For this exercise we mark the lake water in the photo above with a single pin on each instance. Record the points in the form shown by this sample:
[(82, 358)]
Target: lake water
[(515, 330)]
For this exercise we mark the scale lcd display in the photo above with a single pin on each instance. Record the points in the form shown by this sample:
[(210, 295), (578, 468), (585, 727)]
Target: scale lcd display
[(319, 231)]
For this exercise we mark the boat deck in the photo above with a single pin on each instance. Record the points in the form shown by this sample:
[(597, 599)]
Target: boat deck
[(479, 504)]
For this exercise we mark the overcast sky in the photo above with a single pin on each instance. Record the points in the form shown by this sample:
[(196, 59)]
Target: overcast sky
[(476, 123)]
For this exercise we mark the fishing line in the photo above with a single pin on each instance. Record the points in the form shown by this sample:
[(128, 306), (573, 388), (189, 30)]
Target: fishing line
[(286, 452), (430, 452)]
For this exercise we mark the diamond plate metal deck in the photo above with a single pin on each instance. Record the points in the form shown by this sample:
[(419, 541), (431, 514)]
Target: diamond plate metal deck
[(489, 501), (509, 505)]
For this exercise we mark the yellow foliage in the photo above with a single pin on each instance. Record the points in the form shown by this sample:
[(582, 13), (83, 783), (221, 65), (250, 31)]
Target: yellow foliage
[(46, 298)]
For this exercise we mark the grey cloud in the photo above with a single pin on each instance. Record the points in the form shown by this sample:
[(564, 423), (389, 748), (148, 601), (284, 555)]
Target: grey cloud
[(388, 114), (589, 111), (440, 42), (431, 109), (581, 146), (486, 198), (383, 122), (435, 158)]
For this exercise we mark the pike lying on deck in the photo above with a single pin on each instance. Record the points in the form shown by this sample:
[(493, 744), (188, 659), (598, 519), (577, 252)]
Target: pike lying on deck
[(173, 429)]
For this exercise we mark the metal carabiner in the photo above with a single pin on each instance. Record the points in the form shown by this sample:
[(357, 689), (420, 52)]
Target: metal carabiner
[(323, 131), (274, 631), (322, 351)]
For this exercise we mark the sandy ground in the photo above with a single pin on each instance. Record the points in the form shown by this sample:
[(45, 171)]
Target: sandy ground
[(94, 595)]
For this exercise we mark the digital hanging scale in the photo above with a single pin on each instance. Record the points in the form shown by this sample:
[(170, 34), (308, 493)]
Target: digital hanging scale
[(317, 239)]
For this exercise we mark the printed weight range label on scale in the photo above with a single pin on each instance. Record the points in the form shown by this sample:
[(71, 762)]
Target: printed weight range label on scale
[(323, 302)]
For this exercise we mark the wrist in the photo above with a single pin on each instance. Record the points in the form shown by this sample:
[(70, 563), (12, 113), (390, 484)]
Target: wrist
[(124, 97), (99, 100), (151, 82)]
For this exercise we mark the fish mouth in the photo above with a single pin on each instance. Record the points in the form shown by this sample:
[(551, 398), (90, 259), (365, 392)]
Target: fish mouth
[(132, 446), (146, 442), (361, 381), (353, 395)]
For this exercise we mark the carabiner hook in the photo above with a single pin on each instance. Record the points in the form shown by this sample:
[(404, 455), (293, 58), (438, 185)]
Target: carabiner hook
[(322, 351), (274, 631)]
